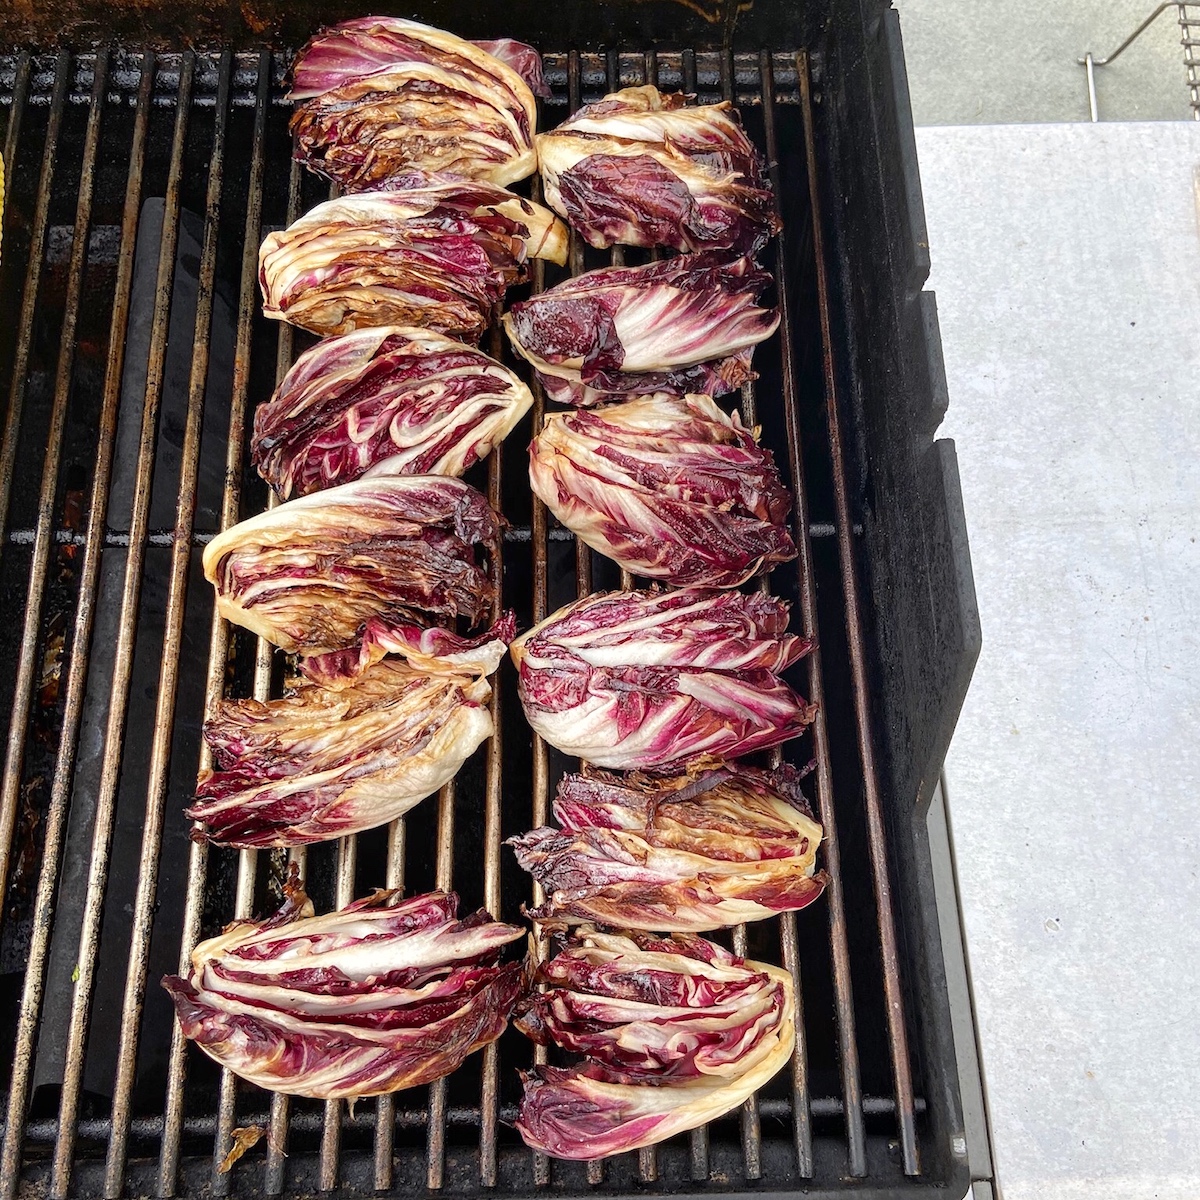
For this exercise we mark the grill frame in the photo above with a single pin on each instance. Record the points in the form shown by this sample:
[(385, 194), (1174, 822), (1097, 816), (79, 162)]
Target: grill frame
[(852, 527)]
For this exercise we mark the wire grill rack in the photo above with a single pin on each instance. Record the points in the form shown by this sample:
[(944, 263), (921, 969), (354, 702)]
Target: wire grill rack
[(84, 481)]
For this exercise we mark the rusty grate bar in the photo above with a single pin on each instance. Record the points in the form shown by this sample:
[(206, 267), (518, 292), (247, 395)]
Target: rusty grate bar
[(385, 1106), (647, 1155), (64, 1150), (277, 1129), (20, 93), (12, 429), (540, 767), (876, 834), (164, 717), (835, 894), (219, 637), (699, 1137), (489, 1100), (435, 1151), (35, 971), (751, 1124), (331, 1132)]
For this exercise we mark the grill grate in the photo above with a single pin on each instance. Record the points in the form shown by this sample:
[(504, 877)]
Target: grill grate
[(155, 440)]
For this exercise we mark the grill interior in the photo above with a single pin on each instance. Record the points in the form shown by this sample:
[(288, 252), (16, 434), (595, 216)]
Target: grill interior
[(140, 186)]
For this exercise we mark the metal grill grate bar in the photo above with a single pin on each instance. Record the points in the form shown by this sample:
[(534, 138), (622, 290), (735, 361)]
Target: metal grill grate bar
[(647, 1155), (35, 970), (860, 686), (751, 1126), (9, 791), (699, 1137), (277, 1130), (331, 1133), (839, 947), (20, 94), (64, 1150), (489, 1100), (385, 1106), (540, 767), (164, 717), (435, 1151), (219, 637)]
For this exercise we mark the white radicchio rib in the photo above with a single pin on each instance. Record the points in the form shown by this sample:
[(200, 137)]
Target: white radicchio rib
[(385, 994), (684, 324), (647, 680), (675, 1032), (329, 761), (668, 486), (379, 96), (311, 573), (644, 169), (712, 848), (404, 401), (434, 252)]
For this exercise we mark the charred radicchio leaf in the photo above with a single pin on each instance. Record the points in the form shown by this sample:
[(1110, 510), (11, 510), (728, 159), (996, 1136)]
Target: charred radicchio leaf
[(715, 847), (410, 401), (522, 58), (434, 650), (436, 253), (309, 574), (384, 994), (643, 169), (379, 737), (685, 324), (650, 679), (675, 1032), (668, 486), (380, 96)]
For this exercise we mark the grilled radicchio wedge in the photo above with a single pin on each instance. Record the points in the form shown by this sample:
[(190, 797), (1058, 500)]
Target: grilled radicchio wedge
[(411, 401), (643, 169), (711, 848), (685, 324), (309, 574), (668, 486), (675, 1032), (437, 252), (323, 763), (380, 96), (384, 994), (649, 679)]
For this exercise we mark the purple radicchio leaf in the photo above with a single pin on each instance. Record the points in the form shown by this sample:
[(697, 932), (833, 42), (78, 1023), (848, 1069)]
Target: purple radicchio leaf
[(523, 59), (674, 1032), (682, 325), (646, 680), (407, 401), (641, 168), (668, 486), (322, 763), (433, 251), (385, 994), (716, 846), (379, 96), (309, 574)]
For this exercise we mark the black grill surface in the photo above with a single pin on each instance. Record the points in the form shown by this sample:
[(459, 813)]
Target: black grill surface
[(134, 351)]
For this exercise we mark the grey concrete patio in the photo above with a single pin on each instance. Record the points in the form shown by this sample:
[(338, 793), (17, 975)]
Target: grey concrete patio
[(1003, 61)]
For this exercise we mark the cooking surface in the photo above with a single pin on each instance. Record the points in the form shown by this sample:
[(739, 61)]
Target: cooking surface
[(1064, 261), (193, 144)]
